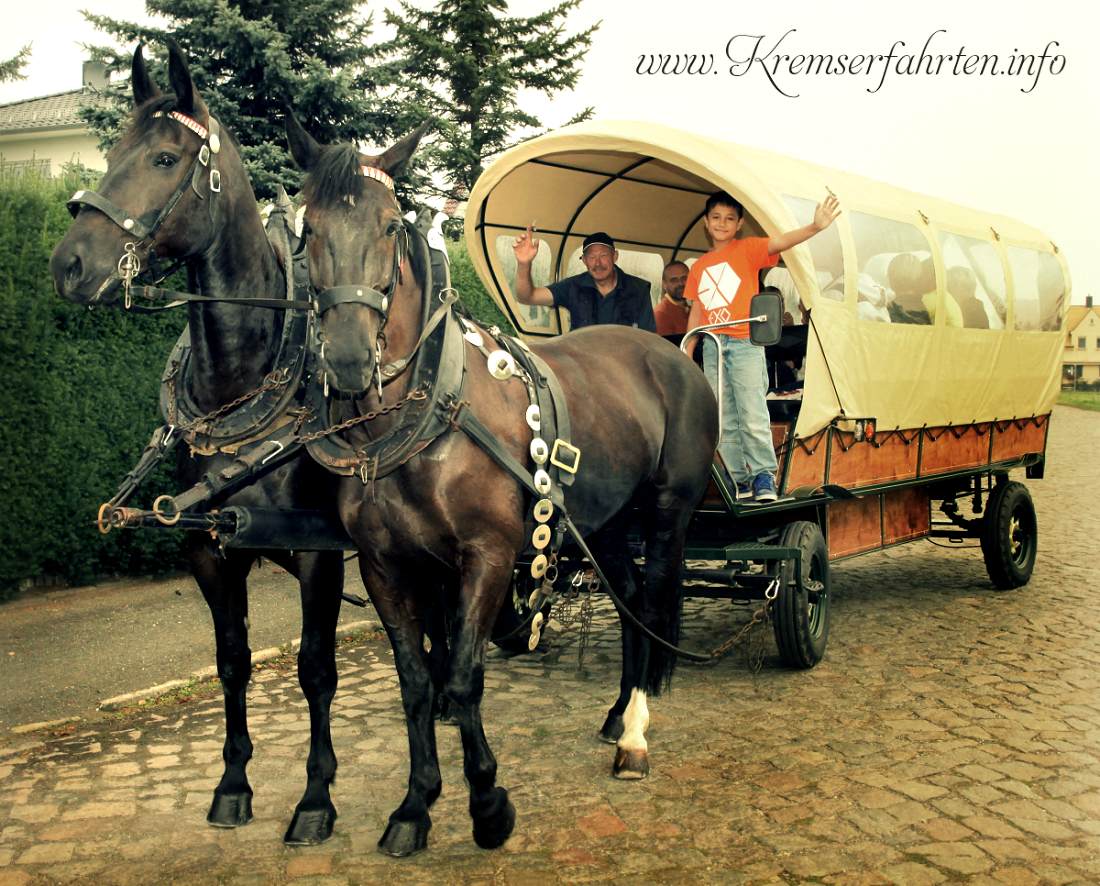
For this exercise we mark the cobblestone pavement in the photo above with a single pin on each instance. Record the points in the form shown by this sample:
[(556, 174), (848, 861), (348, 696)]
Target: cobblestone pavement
[(952, 733)]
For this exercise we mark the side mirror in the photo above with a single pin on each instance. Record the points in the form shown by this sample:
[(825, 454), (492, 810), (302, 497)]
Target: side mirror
[(767, 305)]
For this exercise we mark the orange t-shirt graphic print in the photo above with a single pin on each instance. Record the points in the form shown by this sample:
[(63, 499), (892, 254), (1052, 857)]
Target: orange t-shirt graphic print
[(724, 281)]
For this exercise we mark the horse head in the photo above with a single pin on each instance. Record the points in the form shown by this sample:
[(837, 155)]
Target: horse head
[(161, 195), (364, 260)]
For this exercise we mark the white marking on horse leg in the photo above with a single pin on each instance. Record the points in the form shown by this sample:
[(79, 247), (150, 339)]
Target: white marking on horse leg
[(635, 723), (632, 753)]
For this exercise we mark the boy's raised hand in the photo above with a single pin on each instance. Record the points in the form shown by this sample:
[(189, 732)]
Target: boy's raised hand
[(826, 212), (525, 246)]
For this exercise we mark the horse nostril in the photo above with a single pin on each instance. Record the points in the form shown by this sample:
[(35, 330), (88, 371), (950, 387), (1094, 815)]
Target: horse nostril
[(74, 270)]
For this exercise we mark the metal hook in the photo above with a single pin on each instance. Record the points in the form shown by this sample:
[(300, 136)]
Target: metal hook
[(279, 448), (378, 367)]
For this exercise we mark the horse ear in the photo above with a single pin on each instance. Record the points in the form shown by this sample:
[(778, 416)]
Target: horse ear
[(396, 158), (303, 147), (179, 75), (140, 83)]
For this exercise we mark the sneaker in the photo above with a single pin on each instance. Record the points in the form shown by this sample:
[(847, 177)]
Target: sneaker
[(763, 488), (744, 489)]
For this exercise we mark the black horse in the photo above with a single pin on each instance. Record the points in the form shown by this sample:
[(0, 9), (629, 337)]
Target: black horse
[(642, 416), (176, 188)]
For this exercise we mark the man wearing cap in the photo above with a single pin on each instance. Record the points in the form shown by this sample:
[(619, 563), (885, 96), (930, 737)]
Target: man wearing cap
[(602, 294)]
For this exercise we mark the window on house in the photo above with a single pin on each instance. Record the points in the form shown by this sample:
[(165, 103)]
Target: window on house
[(1081, 343)]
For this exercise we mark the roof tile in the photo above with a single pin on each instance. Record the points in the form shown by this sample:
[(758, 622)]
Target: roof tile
[(46, 112)]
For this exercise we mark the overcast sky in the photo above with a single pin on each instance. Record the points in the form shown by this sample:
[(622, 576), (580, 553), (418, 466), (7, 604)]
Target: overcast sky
[(976, 140)]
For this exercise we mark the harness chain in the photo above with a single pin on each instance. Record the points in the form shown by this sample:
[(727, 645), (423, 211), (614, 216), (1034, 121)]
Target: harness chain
[(416, 394), (274, 380)]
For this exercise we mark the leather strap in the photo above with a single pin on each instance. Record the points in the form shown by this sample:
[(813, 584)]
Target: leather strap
[(465, 420), (174, 298), (563, 429)]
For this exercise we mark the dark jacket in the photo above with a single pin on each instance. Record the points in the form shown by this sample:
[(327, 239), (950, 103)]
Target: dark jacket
[(628, 304)]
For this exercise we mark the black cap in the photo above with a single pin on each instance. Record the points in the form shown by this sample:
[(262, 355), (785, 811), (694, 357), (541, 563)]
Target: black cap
[(599, 237)]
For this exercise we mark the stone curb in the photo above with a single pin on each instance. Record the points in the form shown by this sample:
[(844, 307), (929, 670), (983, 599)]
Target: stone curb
[(207, 673)]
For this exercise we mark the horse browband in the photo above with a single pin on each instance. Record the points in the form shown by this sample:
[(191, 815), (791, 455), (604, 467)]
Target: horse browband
[(141, 229)]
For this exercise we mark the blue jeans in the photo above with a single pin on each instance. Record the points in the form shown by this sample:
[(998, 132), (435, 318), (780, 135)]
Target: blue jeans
[(745, 434)]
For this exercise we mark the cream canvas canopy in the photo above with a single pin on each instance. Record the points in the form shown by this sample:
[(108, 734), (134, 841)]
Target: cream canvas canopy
[(646, 185)]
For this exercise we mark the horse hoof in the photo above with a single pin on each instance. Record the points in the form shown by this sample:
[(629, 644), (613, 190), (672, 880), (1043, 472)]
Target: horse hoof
[(230, 810), (492, 828), (309, 827), (612, 729), (404, 838), (630, 764)]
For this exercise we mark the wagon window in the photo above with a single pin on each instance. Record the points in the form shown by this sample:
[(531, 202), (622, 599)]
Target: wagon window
[(1039, 287), (824, 248), (647, 265), (531, 317), (897, 279), (975, 279)]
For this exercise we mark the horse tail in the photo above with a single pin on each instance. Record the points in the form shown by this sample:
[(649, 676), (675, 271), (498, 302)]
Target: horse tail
[(662, 598), (677, 485)]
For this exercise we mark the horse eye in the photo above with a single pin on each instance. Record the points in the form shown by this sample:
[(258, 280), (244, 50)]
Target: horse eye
[(165, 161), (392, 228)]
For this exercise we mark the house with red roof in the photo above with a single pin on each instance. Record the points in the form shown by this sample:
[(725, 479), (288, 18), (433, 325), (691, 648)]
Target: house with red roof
[(41, 135)]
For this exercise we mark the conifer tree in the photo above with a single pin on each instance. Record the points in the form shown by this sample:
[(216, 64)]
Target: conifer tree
[(12, 68), (464, 62), (249, 58)]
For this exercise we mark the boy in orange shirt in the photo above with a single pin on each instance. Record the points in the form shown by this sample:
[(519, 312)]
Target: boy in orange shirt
[(720, 287)]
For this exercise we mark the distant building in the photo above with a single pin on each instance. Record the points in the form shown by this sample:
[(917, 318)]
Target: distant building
[(41, 135), (1081, 357)]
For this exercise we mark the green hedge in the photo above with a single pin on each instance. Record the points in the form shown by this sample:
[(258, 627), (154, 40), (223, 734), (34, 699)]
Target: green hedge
[(465, 279), (77, 405)]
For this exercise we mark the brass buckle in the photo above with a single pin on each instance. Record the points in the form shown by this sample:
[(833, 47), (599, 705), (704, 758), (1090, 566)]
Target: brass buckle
[(570, 451)]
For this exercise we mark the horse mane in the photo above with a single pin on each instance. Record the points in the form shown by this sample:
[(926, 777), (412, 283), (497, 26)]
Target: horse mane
[(334, 176), (154, 111)]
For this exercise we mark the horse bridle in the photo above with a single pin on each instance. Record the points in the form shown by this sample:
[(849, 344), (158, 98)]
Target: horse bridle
[(144, 227), (377, 300)]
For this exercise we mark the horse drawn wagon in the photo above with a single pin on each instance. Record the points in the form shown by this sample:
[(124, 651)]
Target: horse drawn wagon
[(924, 339), (418, 464)]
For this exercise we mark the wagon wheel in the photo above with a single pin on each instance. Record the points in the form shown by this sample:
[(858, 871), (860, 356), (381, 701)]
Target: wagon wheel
[(802, 626), (512, 628), (1010, 536)]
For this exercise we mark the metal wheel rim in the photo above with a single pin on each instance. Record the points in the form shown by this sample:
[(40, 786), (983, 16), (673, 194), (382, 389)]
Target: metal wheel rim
[(1021, 536), (815, 612)]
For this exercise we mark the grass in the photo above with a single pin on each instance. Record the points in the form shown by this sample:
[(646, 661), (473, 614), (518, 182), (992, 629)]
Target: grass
[(1081, 399)]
